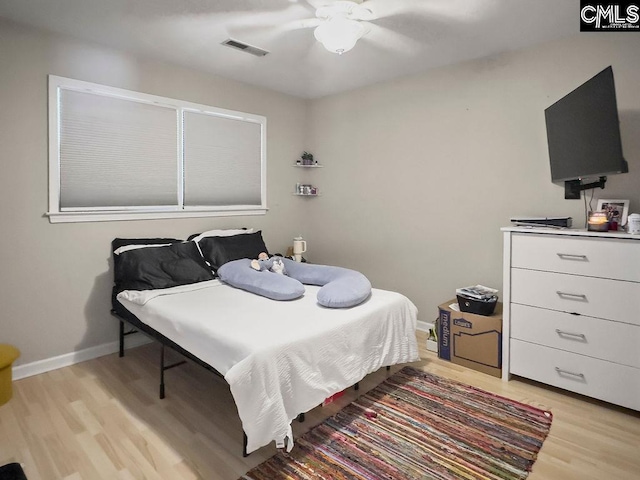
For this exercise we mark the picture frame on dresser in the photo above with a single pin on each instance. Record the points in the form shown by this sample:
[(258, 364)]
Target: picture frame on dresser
[(617, 210)]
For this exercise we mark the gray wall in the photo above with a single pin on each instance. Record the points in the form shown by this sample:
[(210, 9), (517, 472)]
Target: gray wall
[(421, 173), (55, 279)]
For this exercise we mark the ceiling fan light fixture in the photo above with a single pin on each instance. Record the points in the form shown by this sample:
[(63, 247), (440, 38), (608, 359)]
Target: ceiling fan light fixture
[(339, 34)]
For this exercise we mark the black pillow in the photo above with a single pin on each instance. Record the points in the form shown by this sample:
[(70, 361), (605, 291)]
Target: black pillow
[(121, 242), (160, 267), (220, 250)]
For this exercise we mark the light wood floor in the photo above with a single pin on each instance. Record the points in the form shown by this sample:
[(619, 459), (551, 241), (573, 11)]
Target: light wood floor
[(102, 419)]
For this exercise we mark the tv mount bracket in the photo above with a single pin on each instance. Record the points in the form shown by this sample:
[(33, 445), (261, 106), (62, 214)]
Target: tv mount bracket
[(572, 188)]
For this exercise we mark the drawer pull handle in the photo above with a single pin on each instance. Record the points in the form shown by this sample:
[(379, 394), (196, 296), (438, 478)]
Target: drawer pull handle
[(572, 295), (570, 334), (571, 256), (567, 372)]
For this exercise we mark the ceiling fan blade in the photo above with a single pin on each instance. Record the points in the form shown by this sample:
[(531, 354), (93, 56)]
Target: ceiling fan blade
[(315, 4), (351, 9), (301, 24), (273, 24), (456, 10), (269, 32), (387, 39), (386, 8)]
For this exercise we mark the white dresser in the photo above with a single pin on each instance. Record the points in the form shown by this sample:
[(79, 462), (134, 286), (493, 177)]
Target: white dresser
[(572, 311)]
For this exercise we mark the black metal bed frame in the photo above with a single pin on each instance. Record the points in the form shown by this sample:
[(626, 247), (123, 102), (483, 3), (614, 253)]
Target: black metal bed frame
[(124, 315)]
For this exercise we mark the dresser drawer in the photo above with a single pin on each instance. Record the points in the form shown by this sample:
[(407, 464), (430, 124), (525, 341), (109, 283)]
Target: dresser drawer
[(607, 381), (594, 257), (595, 297), (593, 337)]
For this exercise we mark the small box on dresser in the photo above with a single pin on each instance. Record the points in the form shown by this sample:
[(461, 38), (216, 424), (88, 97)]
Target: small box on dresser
[(572, 311)]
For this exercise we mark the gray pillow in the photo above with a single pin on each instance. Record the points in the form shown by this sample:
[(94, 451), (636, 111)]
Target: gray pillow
[(341, 287), (239, 274)]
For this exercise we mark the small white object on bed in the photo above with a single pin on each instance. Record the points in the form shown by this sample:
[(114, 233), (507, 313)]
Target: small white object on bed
[(280, 358)]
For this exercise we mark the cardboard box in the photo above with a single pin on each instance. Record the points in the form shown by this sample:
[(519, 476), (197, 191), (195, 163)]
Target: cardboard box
[(471, 340)]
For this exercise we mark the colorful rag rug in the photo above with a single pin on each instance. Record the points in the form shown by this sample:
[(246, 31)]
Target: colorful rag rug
[(416, 425)]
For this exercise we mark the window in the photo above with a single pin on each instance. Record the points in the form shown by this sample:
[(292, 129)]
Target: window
[(116, 154)]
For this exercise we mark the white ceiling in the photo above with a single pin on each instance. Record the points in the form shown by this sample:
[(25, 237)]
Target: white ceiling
[(408, 36)]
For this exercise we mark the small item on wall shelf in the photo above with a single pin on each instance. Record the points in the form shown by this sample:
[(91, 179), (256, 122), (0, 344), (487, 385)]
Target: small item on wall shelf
[(306, 189), (598, 222), (307, 158)]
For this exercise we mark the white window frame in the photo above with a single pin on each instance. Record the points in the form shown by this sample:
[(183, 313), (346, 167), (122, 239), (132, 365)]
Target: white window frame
[(92, 214)]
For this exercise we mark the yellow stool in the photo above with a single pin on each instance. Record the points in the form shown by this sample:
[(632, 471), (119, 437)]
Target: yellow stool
[(8, 353)]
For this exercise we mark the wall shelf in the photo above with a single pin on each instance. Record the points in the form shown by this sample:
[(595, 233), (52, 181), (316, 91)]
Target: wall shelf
[(306, 189)]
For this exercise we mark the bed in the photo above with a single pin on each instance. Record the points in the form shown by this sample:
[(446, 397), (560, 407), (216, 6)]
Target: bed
[(280, 358)]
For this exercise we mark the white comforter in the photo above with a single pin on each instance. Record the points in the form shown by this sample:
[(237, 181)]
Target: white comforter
[(280, 358)]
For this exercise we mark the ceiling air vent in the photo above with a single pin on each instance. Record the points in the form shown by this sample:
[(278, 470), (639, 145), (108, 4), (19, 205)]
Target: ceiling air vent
[(245, 47)]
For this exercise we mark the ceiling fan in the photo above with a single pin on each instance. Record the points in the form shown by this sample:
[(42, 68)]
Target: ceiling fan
[(339, 24), (342, 24)]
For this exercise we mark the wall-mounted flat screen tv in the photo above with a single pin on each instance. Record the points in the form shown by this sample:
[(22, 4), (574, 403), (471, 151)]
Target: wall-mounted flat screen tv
[(583, 131)]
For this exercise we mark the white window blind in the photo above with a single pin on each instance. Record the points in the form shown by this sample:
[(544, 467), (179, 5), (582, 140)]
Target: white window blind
[(221, 160), (116, 154)]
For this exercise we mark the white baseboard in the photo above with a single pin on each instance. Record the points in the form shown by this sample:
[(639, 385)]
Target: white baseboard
[(48, 364), (424, 326)]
